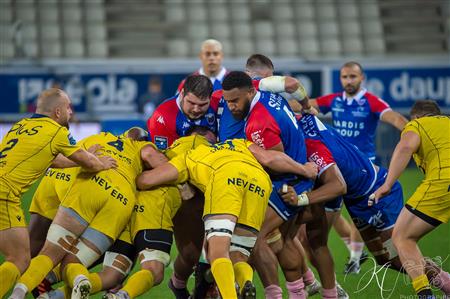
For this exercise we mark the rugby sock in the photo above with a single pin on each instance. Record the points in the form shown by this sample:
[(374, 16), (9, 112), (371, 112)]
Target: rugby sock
[(296, 289), (223, 273), (273, 292), (347, 242), (55, 275), (329, 293), (308, 277), (139, 283), (442, 282), (243, 273), (421, 284), (9, 274), (36, 272), (96, 283), (73, 271), (357, 249), (178, 283)]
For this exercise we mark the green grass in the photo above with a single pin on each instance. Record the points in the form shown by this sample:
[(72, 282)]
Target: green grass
[(371, 280)]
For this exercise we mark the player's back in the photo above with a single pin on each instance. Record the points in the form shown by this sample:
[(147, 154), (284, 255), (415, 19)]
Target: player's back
[(356, 168), (433, 156), (125, 151), (27, 150)]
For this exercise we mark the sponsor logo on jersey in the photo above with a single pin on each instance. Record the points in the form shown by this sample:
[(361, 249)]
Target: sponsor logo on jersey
[(72, 140), (161, 120), (161, 142), (210, 118)]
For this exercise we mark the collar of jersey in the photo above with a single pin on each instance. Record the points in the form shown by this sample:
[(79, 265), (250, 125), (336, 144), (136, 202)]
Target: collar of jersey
[(37, 115), (219, 76), (253, 102), (357, 97)]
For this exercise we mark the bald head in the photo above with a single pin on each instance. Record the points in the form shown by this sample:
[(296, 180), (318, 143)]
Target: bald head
[(55, 103), (137, 133)]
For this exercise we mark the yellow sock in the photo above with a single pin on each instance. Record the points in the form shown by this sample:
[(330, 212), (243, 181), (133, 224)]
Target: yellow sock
[(9, 274), (72, 270), (139, 283), (222, 270), (243, 273), (39, 267), (96, 283), (420, 282)]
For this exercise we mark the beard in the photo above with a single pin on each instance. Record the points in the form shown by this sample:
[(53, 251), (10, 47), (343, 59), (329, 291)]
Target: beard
[(241, 114)]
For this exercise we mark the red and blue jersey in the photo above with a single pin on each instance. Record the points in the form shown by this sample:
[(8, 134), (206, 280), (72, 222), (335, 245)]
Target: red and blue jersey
[(356, 168), (168, 122), (229, 127), (356, 118)]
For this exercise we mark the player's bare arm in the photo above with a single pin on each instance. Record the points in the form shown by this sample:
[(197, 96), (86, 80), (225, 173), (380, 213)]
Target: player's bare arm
[(163, 174), (409, 144), (91, 162), (282, 163), (395, 119), (151, 157)]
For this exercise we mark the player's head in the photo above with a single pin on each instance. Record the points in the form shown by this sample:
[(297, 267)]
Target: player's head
[(352, 75), (136, 133), (238, 92), (202, 131), (259, 66), (195, 96), (211, 56), (423, 108), (55, 104)]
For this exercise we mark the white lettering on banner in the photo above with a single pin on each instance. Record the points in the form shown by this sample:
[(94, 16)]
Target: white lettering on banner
[(407, 88), (102, 94)]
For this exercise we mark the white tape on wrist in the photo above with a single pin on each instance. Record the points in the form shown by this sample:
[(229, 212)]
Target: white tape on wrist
[(274, 84), (302, 200), (300, 93), (284, 189)]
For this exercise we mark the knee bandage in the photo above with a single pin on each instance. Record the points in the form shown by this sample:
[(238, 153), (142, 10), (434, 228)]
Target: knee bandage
[(118, 262), (219, 228), (61, 237), (148, 255), (242, 244), (85, 253)]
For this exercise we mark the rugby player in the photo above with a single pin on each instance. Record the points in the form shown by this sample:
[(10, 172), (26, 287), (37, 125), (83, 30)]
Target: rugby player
[(426, 138), (27, 150), (92, 215)]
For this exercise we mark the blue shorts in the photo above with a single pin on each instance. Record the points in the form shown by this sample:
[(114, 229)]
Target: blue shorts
[(284, 210), (334, 205), (381, 216)]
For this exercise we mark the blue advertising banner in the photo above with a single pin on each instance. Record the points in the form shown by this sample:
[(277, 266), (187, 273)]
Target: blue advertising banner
[(89, 92), (401, 86)]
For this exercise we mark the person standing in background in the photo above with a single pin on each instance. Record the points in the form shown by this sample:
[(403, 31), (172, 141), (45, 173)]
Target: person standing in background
[(355, 114)]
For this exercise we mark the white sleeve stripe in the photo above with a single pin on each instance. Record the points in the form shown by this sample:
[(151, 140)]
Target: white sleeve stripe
[(385, 110), (325, 168)]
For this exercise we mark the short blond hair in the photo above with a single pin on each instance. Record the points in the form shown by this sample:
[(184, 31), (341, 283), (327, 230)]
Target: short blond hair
[(49, 99), (211, 42)]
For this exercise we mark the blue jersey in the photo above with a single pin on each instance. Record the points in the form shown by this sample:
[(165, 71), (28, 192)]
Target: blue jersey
[(356, 168), (269, 123), (355, 119)]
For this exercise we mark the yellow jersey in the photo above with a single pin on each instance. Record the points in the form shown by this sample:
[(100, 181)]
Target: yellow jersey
[(433, 155), (27, 150), (198, 165), (125, 151)]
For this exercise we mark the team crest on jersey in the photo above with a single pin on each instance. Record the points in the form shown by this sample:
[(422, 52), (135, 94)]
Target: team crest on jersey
[(161, 142), (210, 118), (72, 140)]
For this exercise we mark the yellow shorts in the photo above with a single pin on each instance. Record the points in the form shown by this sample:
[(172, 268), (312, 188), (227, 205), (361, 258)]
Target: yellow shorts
[(11, 215), (105, 200), (155, 209), (432, 198), (241, 190), (125, 235), (51, 190)]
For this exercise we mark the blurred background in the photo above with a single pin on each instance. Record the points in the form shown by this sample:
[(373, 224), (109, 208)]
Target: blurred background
[(119, 59)]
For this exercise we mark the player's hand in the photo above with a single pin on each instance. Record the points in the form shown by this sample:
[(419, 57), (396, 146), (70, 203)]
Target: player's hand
[(311, 170), (310, 110), (187, 191), (378, 194), (108, 162), (95, 149), (288, 194)]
